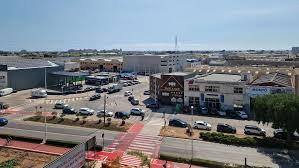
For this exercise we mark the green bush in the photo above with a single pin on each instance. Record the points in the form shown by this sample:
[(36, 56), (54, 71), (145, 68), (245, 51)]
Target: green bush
[(247, 141), (9, 164)]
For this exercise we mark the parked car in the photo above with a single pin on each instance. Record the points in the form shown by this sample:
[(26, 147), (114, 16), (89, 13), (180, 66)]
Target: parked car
[(204, 110), (99, 90), (135, 101), (60, 105), (146, 92), (125, 84), (106, 113), (282, 134), (88, 89), (254, 130), (242, 115), (177, 123), (86, 111), (68, 110), (130, 97), (221, 113), (3, 121), (226, 128), (152, 105), (202, 125), (95, 97), (136, 82), (129, 84), (3, 105), (127, 93), (137, 111), (122, 115)]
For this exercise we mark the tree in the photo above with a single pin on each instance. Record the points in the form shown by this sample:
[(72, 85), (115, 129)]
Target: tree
[(282, 110)]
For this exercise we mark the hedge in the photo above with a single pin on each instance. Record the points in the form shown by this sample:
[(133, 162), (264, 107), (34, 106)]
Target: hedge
[(247, 141), (202, 162)]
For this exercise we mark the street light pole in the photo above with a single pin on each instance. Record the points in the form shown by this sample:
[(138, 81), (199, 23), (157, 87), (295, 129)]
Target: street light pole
[(191, 133), (104, 109), (46, 129)]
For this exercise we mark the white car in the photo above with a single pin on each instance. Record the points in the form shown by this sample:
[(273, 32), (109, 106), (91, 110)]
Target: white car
[(106, 113), (128, 93), (202, 125), (242, 115), (60, 105), (136, 111), (221, 113), (86, 111)]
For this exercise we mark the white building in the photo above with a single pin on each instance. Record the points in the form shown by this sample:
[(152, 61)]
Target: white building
[(154, 63), (217, 91)]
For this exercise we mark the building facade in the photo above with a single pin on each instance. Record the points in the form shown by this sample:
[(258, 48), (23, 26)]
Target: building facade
[(216, 92), (109, 65), (169, 88), (150, 64)]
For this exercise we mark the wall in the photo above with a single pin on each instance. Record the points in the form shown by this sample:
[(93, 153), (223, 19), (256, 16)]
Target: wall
[(136, 63), (21, 79)]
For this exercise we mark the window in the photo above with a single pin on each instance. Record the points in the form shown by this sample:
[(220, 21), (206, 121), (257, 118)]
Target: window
[(194, 101), (194, 88), (238, 90), (212, 88)]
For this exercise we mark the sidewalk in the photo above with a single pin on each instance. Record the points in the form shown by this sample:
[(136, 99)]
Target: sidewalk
[(33, 147)]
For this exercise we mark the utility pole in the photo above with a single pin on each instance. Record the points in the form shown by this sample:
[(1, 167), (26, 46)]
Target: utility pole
[(46, 78), (191, 133), (104, 109), (46, 129)]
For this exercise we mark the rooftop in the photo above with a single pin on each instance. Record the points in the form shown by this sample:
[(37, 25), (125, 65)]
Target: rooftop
[(274, 79), (219, 77), (178, 73), (70, 74), (19, 63)]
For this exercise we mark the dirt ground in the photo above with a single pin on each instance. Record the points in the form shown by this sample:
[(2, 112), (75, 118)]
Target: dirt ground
[(25, 159)]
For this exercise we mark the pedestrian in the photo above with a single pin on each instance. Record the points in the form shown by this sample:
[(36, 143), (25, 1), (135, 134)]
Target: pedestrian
[(142, 116)]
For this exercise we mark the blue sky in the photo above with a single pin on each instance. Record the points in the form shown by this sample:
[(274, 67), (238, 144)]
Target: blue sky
[(148, 24)]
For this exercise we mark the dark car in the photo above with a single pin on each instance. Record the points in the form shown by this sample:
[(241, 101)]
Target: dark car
[(177, 123), (121, 114), (3, 105), (3, 121), (99, 90), (226, 128), (282, 134), (130, 98), (68, 110), (152, 105), (95, 97), (146, 92), (88, 89)]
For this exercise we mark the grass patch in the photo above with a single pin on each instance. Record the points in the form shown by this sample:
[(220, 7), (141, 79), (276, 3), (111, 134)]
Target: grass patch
[(269, 142), (202, 162), (82, 122), (145, 161), (9, 164)]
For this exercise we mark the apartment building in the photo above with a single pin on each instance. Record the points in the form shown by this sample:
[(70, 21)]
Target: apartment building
[(150, 64)]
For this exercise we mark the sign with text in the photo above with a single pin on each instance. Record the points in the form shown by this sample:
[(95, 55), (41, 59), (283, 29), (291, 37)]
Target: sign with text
[(254, 91)]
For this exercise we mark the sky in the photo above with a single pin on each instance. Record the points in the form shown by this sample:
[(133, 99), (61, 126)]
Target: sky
[(148, 24)]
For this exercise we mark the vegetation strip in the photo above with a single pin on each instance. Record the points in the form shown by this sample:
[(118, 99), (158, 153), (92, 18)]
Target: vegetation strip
[(145, 161)]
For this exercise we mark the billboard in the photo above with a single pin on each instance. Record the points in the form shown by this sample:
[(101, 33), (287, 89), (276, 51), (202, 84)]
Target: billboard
[(254, 91), (75, 158)]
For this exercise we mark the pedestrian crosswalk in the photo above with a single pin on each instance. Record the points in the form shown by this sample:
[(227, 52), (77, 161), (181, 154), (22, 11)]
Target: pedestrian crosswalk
[(130, 160), (146, 144), (65, 100)]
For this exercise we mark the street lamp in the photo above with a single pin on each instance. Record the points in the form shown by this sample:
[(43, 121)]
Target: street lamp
[(191, 133), (45, 121)]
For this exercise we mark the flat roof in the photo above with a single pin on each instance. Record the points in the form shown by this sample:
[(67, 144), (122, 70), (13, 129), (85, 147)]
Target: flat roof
[(220, 77), (70, 74), (20, 63), (178, 73)]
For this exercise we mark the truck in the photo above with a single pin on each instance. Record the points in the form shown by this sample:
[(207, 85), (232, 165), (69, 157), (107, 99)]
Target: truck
[(115, 88), (39, 93), (6, 91)]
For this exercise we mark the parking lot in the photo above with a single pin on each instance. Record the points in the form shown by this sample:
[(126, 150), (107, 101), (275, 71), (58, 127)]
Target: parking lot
[(118, 102)]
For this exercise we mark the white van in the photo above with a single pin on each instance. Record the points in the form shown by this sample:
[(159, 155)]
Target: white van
[(39, 93), (6, 91)]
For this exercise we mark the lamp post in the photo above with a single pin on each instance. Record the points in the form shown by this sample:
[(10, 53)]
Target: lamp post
[(45, 121), (104, 109), (191, 133)]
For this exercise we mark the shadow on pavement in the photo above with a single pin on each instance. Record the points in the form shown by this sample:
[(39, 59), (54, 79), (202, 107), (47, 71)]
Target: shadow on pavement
[(282, 157)]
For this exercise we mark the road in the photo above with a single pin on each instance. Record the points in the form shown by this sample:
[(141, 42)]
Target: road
[(203, 150)]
